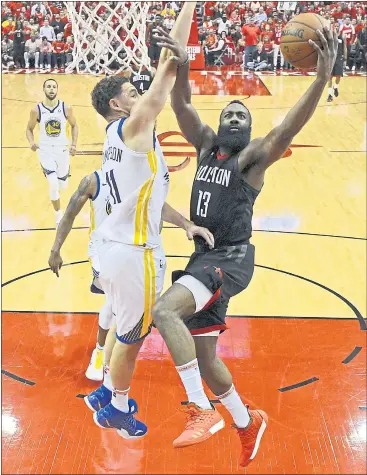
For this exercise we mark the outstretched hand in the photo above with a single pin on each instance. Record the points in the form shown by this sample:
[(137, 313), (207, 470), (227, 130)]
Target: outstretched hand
[(164, 40), (326, 53), (193, 230), (55, 262)]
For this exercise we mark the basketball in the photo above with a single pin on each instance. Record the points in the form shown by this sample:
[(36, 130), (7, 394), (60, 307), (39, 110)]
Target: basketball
[(294, 41)]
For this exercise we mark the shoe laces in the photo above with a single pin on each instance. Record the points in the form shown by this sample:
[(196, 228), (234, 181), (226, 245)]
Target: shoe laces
[(194, 416)]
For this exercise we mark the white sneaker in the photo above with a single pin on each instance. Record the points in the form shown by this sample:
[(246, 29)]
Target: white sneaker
[(353, 68), (95, 368)]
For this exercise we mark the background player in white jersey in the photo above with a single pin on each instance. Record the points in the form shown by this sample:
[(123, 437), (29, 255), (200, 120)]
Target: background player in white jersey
[(130, 252), (90, 189), (52, 116)]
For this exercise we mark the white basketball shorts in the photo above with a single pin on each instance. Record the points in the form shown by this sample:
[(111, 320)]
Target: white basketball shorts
[(133, 278), (55, 160)]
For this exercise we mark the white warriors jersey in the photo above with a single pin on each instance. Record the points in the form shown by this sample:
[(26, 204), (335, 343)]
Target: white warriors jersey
[(100, 206), (52, 125), (138, 184)]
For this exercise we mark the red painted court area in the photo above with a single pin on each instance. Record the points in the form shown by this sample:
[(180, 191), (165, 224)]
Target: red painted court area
[(318, 427)]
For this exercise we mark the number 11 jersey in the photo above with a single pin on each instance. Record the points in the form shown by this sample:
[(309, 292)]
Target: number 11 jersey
[(138, 185), (222, 201)]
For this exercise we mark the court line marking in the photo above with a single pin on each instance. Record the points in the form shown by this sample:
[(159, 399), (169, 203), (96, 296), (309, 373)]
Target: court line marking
[(361, 320), (298, 385), (18, 378), (94, 314), (352, 355), (175, 227)]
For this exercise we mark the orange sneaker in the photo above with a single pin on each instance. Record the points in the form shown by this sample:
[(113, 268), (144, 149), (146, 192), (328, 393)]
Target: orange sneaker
[(250, 436), (201, 424)]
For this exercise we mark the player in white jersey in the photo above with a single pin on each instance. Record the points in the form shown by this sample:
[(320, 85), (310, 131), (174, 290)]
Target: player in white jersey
[(131, 257), (91, 189), (52, 115)]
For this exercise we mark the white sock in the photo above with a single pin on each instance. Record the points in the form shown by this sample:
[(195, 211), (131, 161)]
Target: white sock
[(58, 215), (330, 89), (107, 377), (191, 379), (335, 86), (99, 347), (120, 399), (232, 402)]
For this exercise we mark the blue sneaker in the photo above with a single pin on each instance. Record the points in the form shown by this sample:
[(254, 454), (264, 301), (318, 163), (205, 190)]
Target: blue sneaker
[(127, 426), (98, 399)]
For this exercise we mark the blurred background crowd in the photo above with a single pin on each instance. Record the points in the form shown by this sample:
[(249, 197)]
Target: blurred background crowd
[(39, 34)]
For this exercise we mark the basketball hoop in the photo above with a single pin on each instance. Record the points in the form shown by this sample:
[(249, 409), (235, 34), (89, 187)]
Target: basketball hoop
[(109, 40)]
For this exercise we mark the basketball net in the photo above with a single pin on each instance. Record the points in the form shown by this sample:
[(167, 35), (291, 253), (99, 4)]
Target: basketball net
[(109, 40)]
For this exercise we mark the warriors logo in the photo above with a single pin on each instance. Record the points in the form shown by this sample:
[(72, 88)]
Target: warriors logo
[(108, 207), (53, 128)]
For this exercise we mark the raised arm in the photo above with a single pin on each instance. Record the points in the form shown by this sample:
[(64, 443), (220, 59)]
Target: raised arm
[(194, 130), (143, 115), (32, 122), (262, 152), (74, 129), (86, 190)]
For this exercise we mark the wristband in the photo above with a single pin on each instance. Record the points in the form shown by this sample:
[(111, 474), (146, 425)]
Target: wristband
[(185, 62)]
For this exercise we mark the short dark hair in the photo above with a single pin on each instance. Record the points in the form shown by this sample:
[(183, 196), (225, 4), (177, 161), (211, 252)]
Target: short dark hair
[(50, 79), (236, 101), (104, 91)]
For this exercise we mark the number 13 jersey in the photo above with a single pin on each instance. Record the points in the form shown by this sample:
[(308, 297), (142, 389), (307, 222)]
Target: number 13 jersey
[(222, 201), (138, 184)]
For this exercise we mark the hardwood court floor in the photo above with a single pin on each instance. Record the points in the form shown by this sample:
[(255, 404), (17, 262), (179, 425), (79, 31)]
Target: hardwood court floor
[(297, 343)]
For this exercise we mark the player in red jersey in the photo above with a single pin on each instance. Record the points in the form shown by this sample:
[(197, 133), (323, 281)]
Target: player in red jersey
[(349, 34)]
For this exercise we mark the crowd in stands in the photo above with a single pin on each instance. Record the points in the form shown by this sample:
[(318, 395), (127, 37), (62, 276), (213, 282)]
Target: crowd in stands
[(39, 34), (252, 30)]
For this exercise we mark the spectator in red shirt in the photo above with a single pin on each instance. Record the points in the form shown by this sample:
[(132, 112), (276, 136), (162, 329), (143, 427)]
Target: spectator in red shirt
[(45, 53), (208, 24), (58, 48), (68, 30), (267, 32), (235, 17), (64, 17), (8, 27), (360, 24), (338, 15), (39, 16), (268, 46), (209, 9), (69, 47), (332, 23), (348, 31), (27, 30), (251, 33), (15, 7)]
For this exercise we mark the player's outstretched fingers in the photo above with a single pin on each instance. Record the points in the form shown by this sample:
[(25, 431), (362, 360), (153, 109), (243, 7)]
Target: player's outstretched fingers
[(322, 39), (328, 35), (316, 47)]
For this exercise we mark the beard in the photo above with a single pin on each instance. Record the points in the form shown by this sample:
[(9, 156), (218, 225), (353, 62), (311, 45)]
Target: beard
[(50, 96), (234, 141)]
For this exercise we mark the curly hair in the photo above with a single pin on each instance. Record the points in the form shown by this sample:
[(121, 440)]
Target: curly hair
[(104, 91)]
